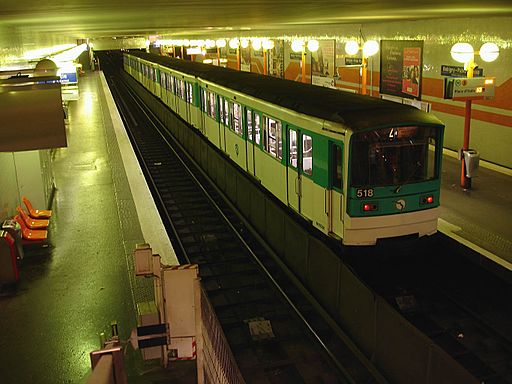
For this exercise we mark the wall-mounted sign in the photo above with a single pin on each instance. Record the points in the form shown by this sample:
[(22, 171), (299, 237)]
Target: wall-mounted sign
[(68, 78), (353, 61), (459, 71), (475, 88), (194, 51), (245, 59), (401, 63), (276, 60), (32, 114), (295, 55), (322, 64)]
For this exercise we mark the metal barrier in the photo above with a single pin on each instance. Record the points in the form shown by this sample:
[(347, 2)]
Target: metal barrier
[(108, 362), (103, 372), (219, 365), (189, 318)]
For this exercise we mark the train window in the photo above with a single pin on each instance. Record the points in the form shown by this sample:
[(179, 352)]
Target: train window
[(190, 92), (272, 142), (162, 80), (236, 122), (257, 128), (307, 155), (394, 156), (173, 85), (248, 119), (212, 100), (231, 125), (431, 172), (226, 112), (293, 148), (336, 166), (181, 89), (204, 100), (221, 109)]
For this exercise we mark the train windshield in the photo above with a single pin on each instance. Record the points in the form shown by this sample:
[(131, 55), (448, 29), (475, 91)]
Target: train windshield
[(394, 156)]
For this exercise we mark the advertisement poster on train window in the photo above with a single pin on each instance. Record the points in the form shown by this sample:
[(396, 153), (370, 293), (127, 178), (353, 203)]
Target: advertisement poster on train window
[(322, 64), (401, 63)]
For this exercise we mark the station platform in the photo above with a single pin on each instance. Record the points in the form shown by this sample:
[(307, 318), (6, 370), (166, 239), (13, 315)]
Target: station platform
[(479, 217), (70, 291)]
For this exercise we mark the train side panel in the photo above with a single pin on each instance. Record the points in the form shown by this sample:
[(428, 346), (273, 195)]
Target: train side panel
[(317, 184), (272, 174)]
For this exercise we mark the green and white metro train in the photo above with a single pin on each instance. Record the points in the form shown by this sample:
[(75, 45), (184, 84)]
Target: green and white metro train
[(358, 168)]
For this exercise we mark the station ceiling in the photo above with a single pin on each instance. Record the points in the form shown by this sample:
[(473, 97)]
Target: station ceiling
[(109, 18)]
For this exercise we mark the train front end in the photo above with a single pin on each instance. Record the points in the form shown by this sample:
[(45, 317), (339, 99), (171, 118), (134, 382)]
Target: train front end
[(393, 183)]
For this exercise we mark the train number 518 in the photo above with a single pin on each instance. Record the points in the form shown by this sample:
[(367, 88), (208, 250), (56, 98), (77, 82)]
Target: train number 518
[(364, 193)]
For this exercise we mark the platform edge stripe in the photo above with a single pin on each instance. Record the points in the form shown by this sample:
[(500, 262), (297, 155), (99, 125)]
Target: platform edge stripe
[(182, 267), (150, 221), (447, 228)]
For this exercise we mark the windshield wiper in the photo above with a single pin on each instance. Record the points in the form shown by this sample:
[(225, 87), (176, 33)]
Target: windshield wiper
[(399, 187)]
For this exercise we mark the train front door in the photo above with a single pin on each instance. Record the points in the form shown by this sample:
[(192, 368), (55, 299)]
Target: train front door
[(294, 163), (335, 199)]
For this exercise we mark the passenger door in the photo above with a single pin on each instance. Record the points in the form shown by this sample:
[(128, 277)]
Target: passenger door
[(335, 190), (294, 163)]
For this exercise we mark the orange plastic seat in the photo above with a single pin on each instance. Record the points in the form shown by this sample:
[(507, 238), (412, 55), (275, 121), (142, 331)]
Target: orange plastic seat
[(29, 234), (36, 213), (32, 223)]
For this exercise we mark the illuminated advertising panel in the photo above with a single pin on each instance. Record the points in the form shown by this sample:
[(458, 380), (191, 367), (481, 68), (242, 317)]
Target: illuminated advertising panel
[(401, 63)]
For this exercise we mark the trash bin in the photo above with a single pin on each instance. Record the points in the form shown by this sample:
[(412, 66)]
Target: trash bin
[(14, 229), (9, 273), (471, 161)]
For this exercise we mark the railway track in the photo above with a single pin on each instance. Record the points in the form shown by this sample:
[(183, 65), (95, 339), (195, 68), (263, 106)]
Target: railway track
[(461, 306), (276, 334), (458, 305)]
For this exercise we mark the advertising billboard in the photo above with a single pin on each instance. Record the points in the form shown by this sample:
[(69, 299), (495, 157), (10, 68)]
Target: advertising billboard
[(401, 63)]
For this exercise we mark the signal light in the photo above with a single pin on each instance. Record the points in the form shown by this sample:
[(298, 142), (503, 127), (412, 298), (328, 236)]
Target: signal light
[(367, 207), (427, 199)]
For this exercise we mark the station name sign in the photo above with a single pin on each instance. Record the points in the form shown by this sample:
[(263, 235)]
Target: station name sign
[(456, 71), (353, 61)]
